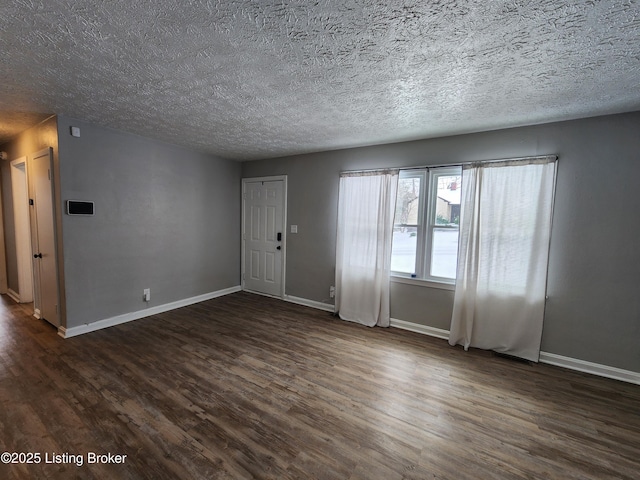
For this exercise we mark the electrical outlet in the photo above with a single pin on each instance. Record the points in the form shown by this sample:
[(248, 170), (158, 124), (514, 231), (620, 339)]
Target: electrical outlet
[(332, 292), (146, 294)]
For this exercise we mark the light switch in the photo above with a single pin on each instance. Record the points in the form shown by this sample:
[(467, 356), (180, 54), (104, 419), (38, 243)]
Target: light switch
[(294, 228)]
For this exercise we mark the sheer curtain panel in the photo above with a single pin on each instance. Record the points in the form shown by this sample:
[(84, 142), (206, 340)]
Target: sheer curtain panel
[(363, 253), (505, 229)]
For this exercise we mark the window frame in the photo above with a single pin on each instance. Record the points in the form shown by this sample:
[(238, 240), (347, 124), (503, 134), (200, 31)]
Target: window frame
[(426, 226), (423, 175)]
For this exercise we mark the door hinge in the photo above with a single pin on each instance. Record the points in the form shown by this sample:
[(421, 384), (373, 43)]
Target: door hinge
[(49, 174), (31, 202)]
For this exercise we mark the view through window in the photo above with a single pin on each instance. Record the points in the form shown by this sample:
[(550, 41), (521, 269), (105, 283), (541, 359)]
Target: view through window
[(425, 234)]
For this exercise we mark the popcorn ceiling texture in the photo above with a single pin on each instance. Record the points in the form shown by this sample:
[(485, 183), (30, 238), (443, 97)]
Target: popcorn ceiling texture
[(257, 79)]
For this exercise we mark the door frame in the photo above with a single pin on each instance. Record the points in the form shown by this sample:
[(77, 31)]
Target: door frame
[(4, 287), (272, 178), (22, 227), (35, 224)]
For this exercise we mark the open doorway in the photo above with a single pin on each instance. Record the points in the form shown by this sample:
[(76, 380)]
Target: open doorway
[(31, 233)]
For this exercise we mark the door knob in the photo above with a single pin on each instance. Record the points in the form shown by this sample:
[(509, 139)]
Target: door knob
[(37, 255)]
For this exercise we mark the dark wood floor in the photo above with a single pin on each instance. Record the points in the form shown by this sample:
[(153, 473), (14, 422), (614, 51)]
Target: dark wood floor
[(250, 387)]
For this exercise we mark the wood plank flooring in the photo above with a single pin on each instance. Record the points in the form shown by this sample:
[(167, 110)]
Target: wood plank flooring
[(250, 387)]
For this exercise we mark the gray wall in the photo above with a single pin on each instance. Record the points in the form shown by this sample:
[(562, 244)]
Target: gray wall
[(166, 218), (27, 143), (593, 312)]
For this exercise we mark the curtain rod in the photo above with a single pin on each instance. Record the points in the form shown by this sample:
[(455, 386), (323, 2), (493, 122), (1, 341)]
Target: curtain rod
[(549, 158)]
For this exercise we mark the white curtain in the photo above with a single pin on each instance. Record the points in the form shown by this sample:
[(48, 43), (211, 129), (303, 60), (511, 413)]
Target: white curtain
[(505, 229), (363, 253)]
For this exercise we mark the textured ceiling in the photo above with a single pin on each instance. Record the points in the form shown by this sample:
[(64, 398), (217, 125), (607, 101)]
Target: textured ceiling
[(256, 79)]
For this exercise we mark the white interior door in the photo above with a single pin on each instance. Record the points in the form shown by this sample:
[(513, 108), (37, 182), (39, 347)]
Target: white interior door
[(3, 259), (44, 239), (22, 230), (263, 235)]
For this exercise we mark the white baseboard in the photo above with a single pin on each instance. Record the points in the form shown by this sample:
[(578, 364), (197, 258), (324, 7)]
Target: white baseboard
[(589, 367), (327, 307), (548, 358), (36, 313), (13, 295), (128, 317), (416, 327)]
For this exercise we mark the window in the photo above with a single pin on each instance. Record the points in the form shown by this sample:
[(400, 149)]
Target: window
[(425, 233)]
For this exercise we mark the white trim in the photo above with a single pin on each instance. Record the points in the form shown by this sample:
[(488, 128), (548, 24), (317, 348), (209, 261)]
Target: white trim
[(426, 224), (327, 307), (36, 313), (128, 317), (548, 358), (429, 220), (589, 367), (13, 295), (422, 283), (261, 293), (418, 328), (271, 178)]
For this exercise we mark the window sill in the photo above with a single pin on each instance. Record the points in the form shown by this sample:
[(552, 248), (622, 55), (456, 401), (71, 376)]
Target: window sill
[(423, 283)]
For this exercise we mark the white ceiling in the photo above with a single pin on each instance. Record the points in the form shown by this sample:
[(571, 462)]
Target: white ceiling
[(255, 79)]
